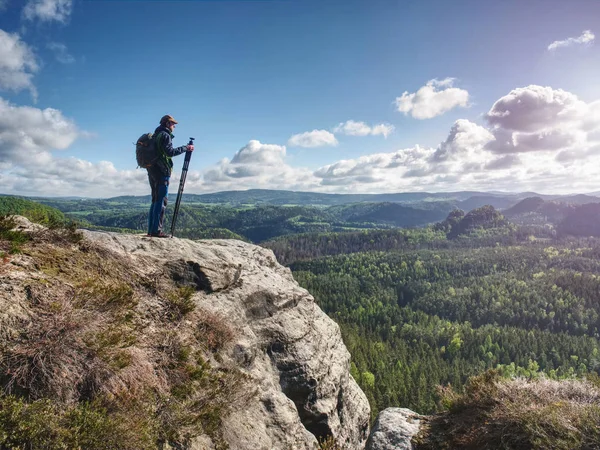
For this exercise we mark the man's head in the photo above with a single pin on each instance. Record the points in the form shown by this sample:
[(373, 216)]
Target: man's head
[(168, 121)]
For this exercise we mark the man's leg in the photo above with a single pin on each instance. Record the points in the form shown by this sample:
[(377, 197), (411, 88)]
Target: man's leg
[(161, 202), (154, 193), (153, 215)]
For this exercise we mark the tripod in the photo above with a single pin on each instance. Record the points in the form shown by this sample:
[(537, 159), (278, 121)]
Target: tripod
[(186, 163)]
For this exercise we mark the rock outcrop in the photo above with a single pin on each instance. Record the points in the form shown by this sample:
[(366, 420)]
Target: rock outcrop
[(394, 429), (290, 352)]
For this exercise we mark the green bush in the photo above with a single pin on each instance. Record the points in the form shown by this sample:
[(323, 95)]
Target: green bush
[(41, 424)]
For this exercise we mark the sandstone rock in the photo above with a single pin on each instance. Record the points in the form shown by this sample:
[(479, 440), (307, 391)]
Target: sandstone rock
[(394, 429), (292, 351)]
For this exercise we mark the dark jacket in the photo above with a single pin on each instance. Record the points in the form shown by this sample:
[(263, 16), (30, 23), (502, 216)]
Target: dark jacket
[(163, 139)]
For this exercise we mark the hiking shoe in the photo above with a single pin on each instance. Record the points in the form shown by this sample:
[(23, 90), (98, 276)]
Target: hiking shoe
[(160, 234)]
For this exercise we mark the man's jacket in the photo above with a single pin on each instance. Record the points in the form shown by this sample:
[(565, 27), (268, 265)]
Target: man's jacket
[(163, 140)]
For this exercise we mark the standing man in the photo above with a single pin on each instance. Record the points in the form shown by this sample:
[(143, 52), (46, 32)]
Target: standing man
[(160, 173)]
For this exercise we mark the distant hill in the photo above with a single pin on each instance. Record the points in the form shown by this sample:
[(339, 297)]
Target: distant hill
[(477, 201), (579, 199), (582, 220), (475, 221), (465, 200), (535, 210), (528, 205), (279, 197), (387, 213)]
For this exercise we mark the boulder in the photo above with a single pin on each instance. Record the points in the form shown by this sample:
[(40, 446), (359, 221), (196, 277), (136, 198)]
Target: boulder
[(394, 429)]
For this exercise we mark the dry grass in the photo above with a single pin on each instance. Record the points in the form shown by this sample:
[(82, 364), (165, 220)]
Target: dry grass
[(104, 351), (328, 444), (213, 331), (496, 413)]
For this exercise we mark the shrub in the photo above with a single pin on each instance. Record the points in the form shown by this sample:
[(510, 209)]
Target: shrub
[(214, 331), (42, 424), (11, 240), (500, 413)]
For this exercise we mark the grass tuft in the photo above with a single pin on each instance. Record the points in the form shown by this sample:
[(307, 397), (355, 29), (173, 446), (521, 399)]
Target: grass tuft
[(180, 303)]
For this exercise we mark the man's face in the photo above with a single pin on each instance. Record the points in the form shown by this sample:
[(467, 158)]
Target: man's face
[(171, 125)]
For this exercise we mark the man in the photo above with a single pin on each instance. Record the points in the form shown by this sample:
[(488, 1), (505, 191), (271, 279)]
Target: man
[(160, 172)]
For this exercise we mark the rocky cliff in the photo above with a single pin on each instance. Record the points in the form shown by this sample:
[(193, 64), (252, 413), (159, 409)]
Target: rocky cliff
[(115, 318)]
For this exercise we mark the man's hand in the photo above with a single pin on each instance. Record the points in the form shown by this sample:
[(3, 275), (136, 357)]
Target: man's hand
[(190, 148)]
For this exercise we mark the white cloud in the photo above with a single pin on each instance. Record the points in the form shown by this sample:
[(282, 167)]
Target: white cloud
[(535, 108), (378, 171), (433, 99), (17, 64), (26, 132), (54, 176), (28, 166), (587, 37), (61, 53), (536, 118), (314, 138), (465, 137), (256, 153), (538, 139), (353, 128), (48, 10), (552, 144), (255, 165)]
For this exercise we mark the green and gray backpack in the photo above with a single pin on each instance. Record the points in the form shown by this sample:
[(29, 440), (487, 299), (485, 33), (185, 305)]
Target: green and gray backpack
[(145, 151)]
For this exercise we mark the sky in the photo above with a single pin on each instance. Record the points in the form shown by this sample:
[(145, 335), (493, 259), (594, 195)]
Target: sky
[(334, 96)]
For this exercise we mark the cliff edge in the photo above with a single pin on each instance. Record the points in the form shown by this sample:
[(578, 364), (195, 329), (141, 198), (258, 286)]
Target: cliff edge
[(192, 344)]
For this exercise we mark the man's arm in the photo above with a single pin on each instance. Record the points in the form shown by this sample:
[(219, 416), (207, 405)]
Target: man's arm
[(166, 144)]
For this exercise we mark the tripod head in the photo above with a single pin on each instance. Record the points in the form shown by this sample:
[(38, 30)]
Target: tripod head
[(191, 141)]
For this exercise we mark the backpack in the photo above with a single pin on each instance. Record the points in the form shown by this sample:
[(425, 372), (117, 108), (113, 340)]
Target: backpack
[(145, 151)]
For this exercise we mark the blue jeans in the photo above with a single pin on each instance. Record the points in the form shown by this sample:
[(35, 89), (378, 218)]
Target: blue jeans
[(160, 190)]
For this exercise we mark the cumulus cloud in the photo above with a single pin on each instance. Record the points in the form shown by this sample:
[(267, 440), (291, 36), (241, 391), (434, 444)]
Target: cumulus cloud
[(48, 10), (433, 99), (464, 137), (353, 128), (255, 165), (587, 37), (61, 53), (50, 175), (376, 170), (27, 132), (535, 108), (314, 138), (17, 64), (256, 153), (503, 162), (536, 138), (537, 118), (29, 138)]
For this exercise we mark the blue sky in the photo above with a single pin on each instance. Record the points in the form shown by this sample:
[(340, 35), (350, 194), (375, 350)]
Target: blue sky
[(328, 96)]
